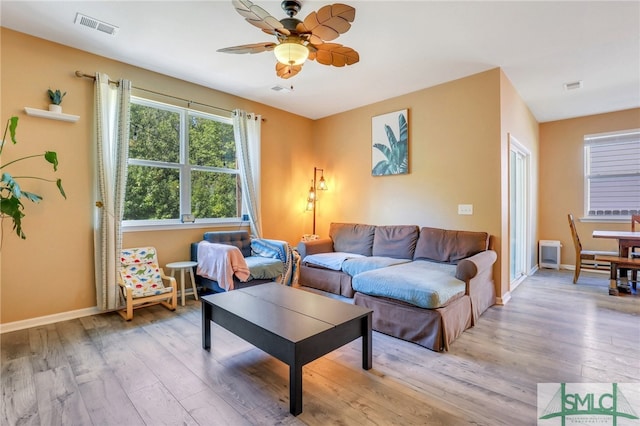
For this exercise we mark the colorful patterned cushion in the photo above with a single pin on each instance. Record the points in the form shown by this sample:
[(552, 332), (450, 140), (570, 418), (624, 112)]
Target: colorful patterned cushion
[(140, 272)]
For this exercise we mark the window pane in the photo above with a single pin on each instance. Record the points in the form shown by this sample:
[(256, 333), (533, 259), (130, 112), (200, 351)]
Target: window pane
[(211, 143), (154, 134), (214, 195), (152, 193), (614, 196), (615, 159), (613, 173)]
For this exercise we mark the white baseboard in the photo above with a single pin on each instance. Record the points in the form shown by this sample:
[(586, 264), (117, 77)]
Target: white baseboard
[(47, 319), (573, 268), (504, 299)]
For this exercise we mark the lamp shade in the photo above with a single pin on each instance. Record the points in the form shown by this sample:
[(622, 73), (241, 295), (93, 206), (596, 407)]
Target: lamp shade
[(322, 184), (291, 53)]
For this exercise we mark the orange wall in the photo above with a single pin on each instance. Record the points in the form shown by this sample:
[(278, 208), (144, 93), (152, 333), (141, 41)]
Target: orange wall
[(52, 270), (562, 179), (458, 138), (517, 122), (455, 158)]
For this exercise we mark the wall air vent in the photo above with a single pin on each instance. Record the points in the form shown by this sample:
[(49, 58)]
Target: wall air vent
[(95, 24), (278, 88), (573, 86)]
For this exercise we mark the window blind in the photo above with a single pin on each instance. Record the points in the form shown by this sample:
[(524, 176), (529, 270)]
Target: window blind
[(612, 173)]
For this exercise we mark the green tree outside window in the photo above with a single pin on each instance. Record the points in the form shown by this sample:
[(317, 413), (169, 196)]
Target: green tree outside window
[(157, 176)]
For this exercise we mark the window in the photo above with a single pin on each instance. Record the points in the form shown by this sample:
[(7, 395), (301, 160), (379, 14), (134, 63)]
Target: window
[(612, 174), (180, 162)]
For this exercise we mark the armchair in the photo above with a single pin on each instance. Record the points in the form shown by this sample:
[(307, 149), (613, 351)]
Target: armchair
[(140, 280), (267, 260)]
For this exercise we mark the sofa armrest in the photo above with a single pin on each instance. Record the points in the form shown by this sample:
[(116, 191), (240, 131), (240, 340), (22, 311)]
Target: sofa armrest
[(477, 273), (475, 265), (323, 245), (194, 251)]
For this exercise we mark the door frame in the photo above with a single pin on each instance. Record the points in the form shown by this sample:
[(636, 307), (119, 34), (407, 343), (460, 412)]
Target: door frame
[(526, 255)]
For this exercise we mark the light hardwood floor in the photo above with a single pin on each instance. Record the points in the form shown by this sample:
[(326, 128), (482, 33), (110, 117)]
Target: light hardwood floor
[(101, 370)]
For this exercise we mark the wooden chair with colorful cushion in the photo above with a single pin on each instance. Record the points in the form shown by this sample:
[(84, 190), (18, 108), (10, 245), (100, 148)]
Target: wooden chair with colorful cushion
[(141, 281)]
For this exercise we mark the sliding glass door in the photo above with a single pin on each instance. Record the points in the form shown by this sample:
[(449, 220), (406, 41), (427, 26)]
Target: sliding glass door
[(519, 215)]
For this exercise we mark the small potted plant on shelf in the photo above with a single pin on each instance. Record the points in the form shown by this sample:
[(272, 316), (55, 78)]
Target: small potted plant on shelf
[(56, 99)]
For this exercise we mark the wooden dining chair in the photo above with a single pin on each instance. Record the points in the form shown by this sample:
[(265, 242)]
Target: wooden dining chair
[(586, 258), (635, 227)]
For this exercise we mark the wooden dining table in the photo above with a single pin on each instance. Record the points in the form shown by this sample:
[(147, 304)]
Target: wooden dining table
[(626, 240)]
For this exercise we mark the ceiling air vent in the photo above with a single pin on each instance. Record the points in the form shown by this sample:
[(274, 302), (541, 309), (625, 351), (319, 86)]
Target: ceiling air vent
[(573, 86), (95, 24), (283, 89)]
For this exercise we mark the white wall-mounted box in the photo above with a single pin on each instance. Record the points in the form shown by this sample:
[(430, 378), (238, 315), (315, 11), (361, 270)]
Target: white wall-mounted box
[(549, 254)]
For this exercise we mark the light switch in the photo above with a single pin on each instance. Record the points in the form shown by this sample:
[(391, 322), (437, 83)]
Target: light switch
[(465, 208)]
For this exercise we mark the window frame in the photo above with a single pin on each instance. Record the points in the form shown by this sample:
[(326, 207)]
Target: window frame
[(608, 138), (184, 170)]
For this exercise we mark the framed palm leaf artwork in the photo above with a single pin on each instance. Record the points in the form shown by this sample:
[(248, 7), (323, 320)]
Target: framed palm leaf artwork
[(390, 144)]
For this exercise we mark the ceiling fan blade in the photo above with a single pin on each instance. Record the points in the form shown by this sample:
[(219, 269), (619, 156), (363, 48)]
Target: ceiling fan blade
[(249, 48), (278, 32), (257, 16), (334, 54), (328, 22), (287, 71)]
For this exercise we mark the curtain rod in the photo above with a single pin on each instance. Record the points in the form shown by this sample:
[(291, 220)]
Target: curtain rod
[(189, 102)]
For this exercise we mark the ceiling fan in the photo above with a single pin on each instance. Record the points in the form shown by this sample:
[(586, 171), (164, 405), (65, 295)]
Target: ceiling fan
[(299, 40)]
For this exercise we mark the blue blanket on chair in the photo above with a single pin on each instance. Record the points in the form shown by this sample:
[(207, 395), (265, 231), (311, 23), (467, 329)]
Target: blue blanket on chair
[(278, 250)]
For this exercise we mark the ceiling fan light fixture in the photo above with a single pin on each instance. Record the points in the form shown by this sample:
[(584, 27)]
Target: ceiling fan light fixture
[(291, 53)]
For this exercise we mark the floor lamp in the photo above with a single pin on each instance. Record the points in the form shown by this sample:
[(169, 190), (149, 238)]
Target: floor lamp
[(313, 196)]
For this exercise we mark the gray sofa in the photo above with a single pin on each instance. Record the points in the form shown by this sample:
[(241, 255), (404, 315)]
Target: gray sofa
[(424, 285)]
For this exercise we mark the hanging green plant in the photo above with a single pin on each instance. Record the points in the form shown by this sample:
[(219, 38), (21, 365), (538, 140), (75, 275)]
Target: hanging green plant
[(11, 194)]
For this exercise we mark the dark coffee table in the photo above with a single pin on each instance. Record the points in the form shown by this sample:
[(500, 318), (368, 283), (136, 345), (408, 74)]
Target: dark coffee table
[(290, 324)]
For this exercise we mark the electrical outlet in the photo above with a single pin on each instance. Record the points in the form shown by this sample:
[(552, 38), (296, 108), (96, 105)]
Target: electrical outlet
[(465, 209)]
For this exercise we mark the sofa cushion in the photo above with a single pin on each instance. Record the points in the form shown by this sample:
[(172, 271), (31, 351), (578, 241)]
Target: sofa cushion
[(359, 265), (261, 268), (421, 283), (352, 238), (332, 260), (449, 246), (395, 241)]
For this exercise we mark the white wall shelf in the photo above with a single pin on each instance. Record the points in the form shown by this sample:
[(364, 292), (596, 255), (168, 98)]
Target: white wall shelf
[(51, 115)]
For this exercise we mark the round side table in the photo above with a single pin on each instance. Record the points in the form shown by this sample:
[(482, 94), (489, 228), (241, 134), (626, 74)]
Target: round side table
[(182, 266)]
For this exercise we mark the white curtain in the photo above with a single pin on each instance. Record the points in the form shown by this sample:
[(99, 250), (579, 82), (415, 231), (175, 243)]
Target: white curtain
[(112, 146), (246, 128)]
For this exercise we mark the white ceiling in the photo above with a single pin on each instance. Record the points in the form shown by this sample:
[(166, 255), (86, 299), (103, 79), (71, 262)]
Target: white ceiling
[(404, 46)]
